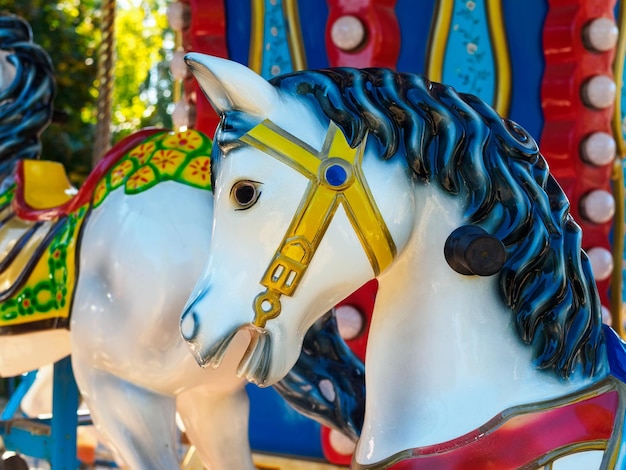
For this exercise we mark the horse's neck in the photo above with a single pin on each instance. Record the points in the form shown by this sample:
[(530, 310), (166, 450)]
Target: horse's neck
[(442, 357)]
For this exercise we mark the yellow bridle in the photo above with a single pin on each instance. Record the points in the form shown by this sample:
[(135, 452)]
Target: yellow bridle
[(335, 178)]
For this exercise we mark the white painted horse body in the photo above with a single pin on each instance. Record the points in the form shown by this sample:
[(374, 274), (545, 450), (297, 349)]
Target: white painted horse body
[(446, 367), (110, 290), (139, 257)]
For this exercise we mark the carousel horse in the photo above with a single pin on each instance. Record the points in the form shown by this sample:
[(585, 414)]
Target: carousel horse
[(486, 348), (103, 272)]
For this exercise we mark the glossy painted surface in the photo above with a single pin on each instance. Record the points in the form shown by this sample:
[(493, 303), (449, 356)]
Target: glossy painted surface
[(121, 255), (438, 339)]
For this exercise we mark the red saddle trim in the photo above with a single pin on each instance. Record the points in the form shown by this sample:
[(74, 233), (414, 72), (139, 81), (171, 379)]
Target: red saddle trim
[(84, 195), (520, 440)]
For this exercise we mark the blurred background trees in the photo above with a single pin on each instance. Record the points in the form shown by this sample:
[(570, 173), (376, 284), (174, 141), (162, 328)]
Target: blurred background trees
[(70, 30)]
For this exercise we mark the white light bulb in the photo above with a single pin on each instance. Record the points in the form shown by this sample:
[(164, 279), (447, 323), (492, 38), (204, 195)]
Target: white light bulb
[(599, 91), (350, 321), (598, 206), (598, 149), (601, 262), (347, 33), (178, 67), (178, 16), (183, 115), (341, 443), (601, 34)]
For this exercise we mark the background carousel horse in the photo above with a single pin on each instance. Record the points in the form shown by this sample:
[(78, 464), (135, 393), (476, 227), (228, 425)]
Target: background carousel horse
[(116, 261), (486, 347)]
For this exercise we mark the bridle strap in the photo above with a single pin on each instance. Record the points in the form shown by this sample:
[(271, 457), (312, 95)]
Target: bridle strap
[(335, 178)]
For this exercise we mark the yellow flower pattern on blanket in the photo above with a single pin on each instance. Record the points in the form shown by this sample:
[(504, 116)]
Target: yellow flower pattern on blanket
[(183, 157)]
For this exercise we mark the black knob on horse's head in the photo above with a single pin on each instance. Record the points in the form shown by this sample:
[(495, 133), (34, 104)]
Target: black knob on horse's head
[(470, 250)]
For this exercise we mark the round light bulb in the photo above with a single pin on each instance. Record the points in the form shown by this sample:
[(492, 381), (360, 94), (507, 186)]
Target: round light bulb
[(607, 318), (598, 149), (599, 92), (347, 33), (601, 34), (601, 262), (183, 115), (178, 67), (598, 206), (350, 321), (178, 16), (341, 443)]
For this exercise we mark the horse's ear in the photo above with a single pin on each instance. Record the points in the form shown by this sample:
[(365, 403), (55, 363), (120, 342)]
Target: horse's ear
[(230, 86)]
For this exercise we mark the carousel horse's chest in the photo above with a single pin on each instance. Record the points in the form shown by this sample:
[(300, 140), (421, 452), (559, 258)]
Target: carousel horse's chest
[(41, 217), (540, 435), (528, 437)]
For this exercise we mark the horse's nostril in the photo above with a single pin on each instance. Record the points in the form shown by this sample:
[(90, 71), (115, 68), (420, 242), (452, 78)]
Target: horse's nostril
[(189, 325)]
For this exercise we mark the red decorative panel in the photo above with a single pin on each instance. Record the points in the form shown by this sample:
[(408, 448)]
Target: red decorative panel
[(569, 65)]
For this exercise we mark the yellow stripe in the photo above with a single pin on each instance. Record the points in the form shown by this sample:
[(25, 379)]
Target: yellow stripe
[(438, 40), (274, 141), (617, 282), (312, 222), (255, 55), (502, 67), (618, 73), (366, 221), (294, 35)]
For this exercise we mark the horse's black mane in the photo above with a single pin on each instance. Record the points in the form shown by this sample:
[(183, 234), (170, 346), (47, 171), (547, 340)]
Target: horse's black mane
[(26, 103), (460, 142)]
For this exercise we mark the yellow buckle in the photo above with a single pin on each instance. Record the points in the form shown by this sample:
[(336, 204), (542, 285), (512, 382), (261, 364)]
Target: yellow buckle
[(285, 271)]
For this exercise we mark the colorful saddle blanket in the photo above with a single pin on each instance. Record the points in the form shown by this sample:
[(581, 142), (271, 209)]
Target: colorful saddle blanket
[(41, 217)]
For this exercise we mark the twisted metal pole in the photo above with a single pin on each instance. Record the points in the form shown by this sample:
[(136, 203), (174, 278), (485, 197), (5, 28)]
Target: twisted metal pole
[(106, 61)]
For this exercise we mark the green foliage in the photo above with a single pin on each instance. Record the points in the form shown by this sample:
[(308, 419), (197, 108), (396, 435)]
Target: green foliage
[(143, 86), (70, 31)]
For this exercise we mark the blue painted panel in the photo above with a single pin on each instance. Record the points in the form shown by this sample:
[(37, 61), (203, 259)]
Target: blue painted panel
[(276, 54), (238, 30), (469, 64), (415, 22), (277, 428), (524, 27), (313, 16)]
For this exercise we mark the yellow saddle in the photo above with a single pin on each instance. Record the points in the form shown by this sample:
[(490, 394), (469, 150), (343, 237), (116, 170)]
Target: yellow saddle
[(45, 184)]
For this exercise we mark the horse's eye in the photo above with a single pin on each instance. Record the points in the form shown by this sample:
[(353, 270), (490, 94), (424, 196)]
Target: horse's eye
[(245, 193)]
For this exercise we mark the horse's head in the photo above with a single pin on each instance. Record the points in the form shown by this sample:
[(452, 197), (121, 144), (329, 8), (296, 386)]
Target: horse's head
[(288, 195), (320, 179)]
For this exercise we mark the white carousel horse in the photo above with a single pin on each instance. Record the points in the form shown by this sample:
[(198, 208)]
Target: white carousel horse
[(486, 348), (115, 263)]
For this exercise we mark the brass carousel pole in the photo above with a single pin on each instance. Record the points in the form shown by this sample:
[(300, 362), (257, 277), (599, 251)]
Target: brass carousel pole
[(106, 56)]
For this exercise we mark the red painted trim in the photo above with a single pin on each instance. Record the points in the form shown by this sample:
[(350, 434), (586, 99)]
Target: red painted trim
[(24, 211), (382, 43), (568, 64), (517, 441), (208, 36)]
